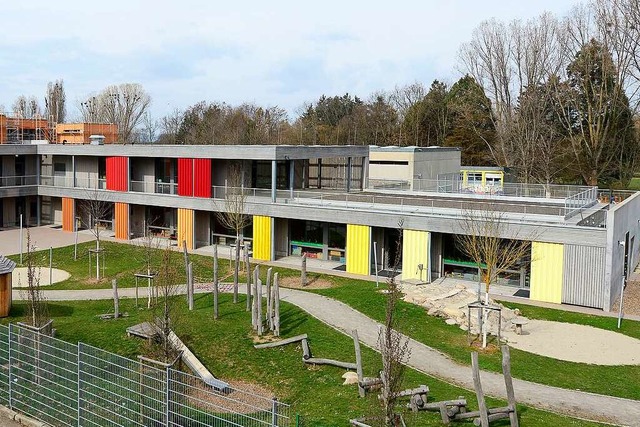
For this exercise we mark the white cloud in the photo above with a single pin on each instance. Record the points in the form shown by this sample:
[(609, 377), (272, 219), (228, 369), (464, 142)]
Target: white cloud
[(280, 52)]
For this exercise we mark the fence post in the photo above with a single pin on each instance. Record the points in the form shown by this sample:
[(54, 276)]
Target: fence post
[(10, 370), (167, 395), (78, 381), (274, 412)]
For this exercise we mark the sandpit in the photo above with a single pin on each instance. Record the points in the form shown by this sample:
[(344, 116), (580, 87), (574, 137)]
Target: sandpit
[(19, 276), (576, 343)]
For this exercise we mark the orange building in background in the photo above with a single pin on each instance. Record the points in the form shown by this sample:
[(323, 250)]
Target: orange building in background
[(79, 133)]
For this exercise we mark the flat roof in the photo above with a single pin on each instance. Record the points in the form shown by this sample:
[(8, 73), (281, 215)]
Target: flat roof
[(411, 148)]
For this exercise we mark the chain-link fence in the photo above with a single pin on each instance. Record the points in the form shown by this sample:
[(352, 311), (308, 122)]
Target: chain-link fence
[(66, 384)]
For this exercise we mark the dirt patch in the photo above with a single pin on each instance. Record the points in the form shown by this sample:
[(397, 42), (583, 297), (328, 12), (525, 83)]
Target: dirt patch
[(244, 398), (631, 299), (313, 283)]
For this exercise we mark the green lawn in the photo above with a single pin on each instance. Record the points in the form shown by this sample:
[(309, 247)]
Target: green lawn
[(451, 340), (634, 184), (225, 346)]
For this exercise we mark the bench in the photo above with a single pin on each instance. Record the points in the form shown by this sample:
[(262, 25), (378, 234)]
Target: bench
[(519, 322)]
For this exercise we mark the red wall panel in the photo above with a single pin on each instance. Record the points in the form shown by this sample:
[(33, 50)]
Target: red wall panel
[(185, 177), (202, 174), (117, 173)]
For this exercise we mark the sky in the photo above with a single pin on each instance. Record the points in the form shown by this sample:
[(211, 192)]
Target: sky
[(282, 53)]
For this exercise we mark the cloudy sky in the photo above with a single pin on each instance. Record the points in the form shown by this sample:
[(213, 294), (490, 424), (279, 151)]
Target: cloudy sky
[(268, 52)]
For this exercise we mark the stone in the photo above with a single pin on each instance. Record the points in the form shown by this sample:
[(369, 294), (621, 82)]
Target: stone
[(350, 378), (451, 322)]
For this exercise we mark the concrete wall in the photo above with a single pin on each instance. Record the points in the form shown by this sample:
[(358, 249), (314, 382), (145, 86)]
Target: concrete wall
[(62, 178), (429, 164), (9, 212), (56, 209), (281, 237), (425, 163), (137, 220), (622, 218), (8, 166), (86, 171), (201, 228)]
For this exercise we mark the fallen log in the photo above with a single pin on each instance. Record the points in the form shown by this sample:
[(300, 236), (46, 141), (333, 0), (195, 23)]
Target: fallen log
[(282, 342), (490, 411), (339, 364), (306, 351)]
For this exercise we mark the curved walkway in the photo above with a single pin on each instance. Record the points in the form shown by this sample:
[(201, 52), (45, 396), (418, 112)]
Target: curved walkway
[(578, 404)]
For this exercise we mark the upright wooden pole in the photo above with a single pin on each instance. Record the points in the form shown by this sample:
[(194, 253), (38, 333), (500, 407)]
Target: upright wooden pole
[(248, 272), (259, 305), (215, 281), (508, 382), (269, 299), (356, 345), (276, 297), (116, 302), (482, 405), (303, 271), (190, 285), (254, 306)]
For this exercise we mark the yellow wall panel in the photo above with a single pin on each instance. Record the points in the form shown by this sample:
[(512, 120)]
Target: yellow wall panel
[(358, 249), (68, 214), (185, 227), (415, 251), (262, 237), (547, 261), (121, 220)]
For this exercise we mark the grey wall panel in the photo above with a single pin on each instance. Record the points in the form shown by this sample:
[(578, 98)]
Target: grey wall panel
[(583, 282)]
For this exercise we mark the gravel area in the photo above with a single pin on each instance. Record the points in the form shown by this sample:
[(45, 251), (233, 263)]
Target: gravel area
[(631, 299), (19, 276)]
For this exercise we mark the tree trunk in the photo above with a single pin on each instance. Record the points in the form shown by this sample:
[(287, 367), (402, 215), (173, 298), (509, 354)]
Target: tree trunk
[(97, 257)]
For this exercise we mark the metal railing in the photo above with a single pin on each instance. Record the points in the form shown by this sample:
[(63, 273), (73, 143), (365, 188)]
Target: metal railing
[(64, 384), (153, 187), (18, 180), (580, 201)]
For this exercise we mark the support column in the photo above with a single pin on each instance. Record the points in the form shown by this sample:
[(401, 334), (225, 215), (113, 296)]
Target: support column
[(292, 171), (38, 209), (319, 173), (73, 171), (348, 174), (274, 180), (273, 239), (364, 181)]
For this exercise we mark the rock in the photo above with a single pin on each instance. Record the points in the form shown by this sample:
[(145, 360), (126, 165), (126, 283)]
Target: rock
[(433, 311), (451, 322), (350, 378), (460, 286), (451, 311), (464, 327)]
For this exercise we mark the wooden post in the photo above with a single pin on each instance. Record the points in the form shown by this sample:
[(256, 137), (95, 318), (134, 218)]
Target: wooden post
[(259, 319), (508, 382), (482, 405), (268, 292), (276, 297), (255, 302), (356, 345), (190, 285), (116, 302), (136, 291), (248, 272), (186, 256), (303, 271), (215, 281)]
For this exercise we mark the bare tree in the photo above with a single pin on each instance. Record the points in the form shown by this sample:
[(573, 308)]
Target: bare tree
[(124, 105), (37, 305), (494, 245), (166, 311), (95, 208), (55, 102), (233, 215), (394, 347)]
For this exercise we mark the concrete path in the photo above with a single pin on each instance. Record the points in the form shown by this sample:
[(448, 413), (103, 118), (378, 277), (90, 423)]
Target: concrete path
[(42, 237), (578, 404)]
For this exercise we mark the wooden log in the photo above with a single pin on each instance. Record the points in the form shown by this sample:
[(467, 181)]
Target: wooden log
[(508, 382), (444, 414), (276, 316), (371, 381), (303, 271), (306, 351), (116, 300), (356, 345), (215, 281), (477, 385), (282, 342), (248, 272), (268, 292), (338, 363), (492, 418), (448, 403), (476, 414), (259, 306), (422, 389)]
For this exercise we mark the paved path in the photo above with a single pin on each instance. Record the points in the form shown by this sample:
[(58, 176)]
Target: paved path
[(430, 361)]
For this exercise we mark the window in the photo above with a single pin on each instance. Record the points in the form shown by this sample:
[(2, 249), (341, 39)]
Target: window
[(474, 177), (59, 167)]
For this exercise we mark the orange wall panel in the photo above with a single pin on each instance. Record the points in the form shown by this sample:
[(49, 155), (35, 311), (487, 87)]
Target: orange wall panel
[(121, 220), (68, 214), (186, 218)]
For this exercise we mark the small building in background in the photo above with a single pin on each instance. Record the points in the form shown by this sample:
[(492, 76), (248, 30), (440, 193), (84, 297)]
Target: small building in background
[(412, 167), (482, 179), (6, 270), (80, 133), (17, 130)]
